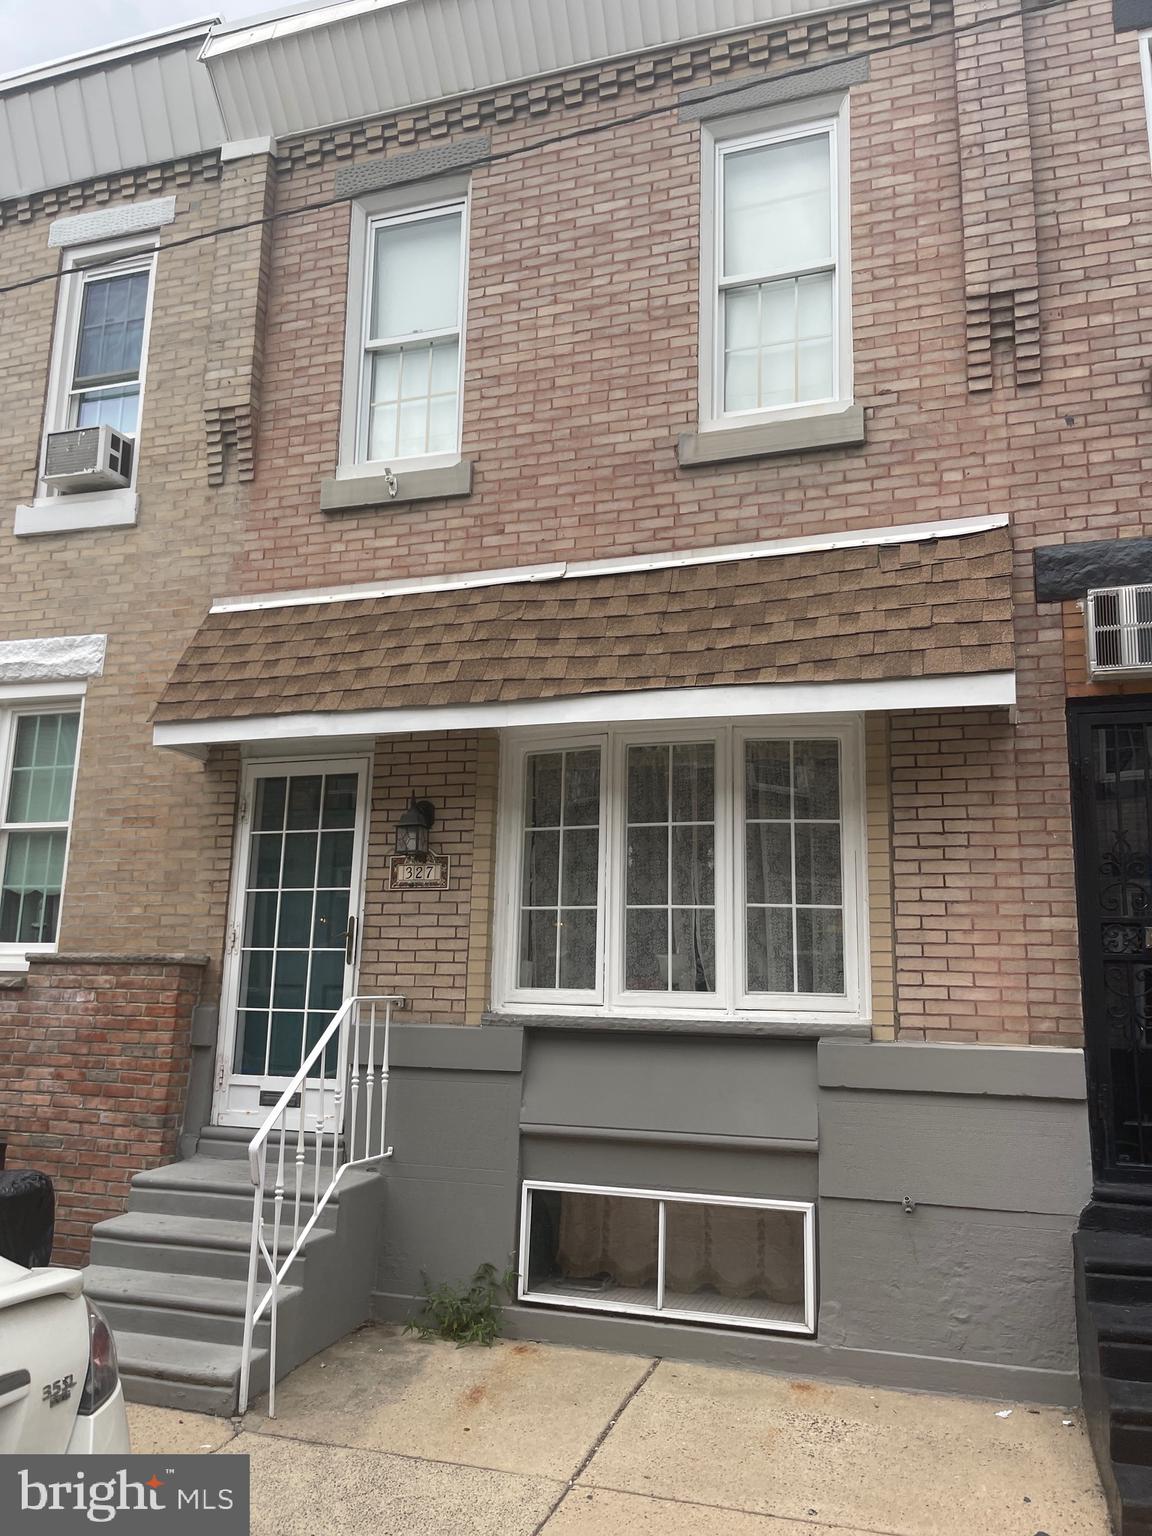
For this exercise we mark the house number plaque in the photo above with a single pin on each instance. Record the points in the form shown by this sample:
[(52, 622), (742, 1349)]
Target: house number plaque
[(429, 874)]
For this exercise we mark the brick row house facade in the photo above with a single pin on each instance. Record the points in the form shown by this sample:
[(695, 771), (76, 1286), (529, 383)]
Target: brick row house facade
[(668, 480)]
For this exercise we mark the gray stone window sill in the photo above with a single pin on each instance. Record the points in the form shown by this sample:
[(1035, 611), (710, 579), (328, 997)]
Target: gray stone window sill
[(798, 434), (782, 1028), (363, 491), (78, 513)]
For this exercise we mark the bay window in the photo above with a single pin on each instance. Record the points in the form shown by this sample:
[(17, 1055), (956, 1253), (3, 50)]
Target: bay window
[(37, 772), (695, 871)]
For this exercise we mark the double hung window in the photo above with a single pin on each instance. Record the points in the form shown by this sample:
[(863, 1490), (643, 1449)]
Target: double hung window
[(108, 356), (102, 342), (37, 770), (410, 365), (686, 870), (779, 286)]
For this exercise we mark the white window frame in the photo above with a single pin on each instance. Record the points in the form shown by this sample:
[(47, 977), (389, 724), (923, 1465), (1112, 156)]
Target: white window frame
[(805, 1208), (1144, 40), (731, 1000), (753, 131), (109, 258), (14, 705), (366, 218)]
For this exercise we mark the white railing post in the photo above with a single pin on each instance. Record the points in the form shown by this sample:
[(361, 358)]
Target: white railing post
[(340, 1033)]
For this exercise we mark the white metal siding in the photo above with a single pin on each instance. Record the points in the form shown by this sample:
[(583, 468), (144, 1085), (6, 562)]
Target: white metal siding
[(142, 110), (385, 59)]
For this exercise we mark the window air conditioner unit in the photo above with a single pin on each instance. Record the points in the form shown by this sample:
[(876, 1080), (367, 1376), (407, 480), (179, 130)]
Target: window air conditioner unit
[(88, 459), (1119, 631)]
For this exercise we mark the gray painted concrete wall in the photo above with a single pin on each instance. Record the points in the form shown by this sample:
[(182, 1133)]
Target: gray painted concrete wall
[(990, 1146), (453, 1117), (970, 1291)]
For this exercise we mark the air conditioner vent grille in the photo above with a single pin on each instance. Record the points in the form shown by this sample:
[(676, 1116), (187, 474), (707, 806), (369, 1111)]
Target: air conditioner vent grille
[(88, 459), (1120, 630)]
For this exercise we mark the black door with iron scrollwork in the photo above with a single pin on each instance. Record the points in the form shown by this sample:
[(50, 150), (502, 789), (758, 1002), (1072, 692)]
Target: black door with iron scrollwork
[(1111, 747)]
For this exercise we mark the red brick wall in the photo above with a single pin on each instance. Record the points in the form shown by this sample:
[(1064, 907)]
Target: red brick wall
[(581, 370), (93, 1070)]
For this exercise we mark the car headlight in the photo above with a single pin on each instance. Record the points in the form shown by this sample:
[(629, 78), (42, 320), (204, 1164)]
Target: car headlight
[(103, 1369)]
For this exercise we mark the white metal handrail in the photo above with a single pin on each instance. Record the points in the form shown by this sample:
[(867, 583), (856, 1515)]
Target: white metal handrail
[(349, 1131)]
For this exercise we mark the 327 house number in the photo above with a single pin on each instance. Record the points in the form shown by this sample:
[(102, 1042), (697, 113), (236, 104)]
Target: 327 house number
[(417, 874)]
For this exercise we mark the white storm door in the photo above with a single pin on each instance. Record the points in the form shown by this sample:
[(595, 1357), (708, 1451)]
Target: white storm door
[(295, 928)]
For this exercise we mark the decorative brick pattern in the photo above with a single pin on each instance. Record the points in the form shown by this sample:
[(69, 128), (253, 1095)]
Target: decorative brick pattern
[(145, 182), (1001, 277), (93, 1071), (230, 432), (788, 42)]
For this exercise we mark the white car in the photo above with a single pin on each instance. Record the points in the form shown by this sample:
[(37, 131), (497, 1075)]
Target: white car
[(59, 1382)]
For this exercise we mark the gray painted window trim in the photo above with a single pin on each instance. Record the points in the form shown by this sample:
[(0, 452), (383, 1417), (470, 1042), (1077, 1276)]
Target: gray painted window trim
[(111, 223), (796, 434), (361, 492), (419, 165), (743, 95)]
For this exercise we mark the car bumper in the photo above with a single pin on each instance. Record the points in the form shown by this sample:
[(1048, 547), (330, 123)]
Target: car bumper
[(105, 1431)]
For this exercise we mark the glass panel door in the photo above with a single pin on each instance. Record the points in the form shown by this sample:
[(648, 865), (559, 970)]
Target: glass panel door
[(296, 925)]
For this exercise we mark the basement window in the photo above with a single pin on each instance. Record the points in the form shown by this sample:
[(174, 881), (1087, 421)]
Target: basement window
[(695, 1258)]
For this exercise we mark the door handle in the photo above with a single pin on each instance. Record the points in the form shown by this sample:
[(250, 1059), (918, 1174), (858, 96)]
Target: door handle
[(350, 942)]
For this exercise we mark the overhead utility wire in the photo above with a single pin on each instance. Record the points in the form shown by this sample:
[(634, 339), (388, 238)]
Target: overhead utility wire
[(737, 87)]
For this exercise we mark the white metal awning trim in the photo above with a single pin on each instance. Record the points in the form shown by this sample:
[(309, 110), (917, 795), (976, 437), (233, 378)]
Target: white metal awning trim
[(989, 690)]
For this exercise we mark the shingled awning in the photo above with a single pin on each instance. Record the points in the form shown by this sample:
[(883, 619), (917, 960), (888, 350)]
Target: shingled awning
[(843, 619)]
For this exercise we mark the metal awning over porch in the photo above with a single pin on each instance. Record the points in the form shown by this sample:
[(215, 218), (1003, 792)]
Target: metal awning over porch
[(918, 616)]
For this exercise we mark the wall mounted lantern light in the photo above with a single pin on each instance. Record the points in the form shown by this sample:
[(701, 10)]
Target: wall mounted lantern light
[(413, 828)]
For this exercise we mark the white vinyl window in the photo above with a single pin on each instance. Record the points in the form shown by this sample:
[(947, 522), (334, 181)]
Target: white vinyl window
[(102, 342), (736, 1262), (412, 335), (708, 871), (778, 302), (37, 775)]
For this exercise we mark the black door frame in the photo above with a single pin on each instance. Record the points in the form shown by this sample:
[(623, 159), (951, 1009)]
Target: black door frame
[(1082, 713)]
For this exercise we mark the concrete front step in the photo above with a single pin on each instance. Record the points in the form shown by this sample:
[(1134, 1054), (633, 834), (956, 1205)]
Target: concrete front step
[(220, 1189), (185, 1373), (185, 1245), (179, 1306)]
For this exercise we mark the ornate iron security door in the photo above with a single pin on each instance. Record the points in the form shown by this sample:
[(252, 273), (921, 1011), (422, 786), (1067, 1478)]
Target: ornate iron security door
[(1112, 776)]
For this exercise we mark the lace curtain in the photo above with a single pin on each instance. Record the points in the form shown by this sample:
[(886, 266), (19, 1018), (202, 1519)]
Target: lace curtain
[(733, 1251)]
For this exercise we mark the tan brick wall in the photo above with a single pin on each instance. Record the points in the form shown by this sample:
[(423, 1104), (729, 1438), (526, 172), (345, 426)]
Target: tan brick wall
[(431, 947), (152, 832)]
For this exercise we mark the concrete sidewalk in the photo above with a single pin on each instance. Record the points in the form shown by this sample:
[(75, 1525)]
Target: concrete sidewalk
[(384, 1435)]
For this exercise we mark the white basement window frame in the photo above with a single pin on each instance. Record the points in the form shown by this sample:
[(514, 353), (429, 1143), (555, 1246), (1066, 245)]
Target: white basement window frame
[(530, 893), (115, 398), (785, 291), (39, 755), (436, 351), (763, 1316)]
